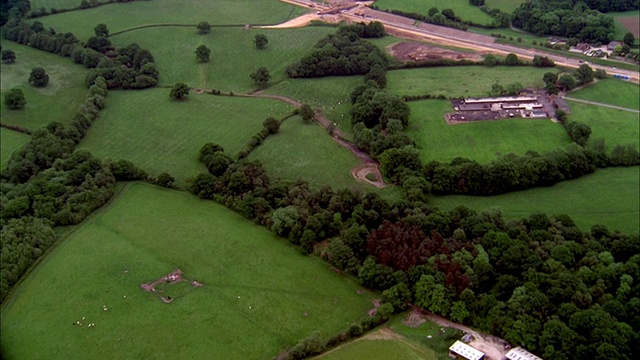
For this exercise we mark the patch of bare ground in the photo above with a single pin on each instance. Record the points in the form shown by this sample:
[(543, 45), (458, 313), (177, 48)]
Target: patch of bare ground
[(410, 51), (382, 334), (376, 305), (493, 347)]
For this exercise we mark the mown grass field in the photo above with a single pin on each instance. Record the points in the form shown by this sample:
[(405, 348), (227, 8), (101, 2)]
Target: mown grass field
[(160, 134), (482, 141), (379, 349), (609, 197), (233, 54), (57, 4), (617, 127), (460, 81), (307, 152), (504, 5), (119, 16), (462, 8), (259, 295), (611, 91), (10, 141), (428, 334), (58, 101)]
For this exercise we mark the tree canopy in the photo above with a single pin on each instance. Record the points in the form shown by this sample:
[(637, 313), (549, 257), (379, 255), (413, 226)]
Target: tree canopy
[(179, 91), (38, 77)]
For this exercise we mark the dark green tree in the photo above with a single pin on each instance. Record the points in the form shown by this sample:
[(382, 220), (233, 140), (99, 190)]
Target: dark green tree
[(306, 113), (629, 39), (15, 99), (490, 60), (584, 74), (101, 30), (567, 81), (261, 77), (8, 56), (550, 78), (511, 59), (179, 91), (579, 132), (204, 28), (271, 124), (38, 77), (260, 41), (203, 53), (432, 11)]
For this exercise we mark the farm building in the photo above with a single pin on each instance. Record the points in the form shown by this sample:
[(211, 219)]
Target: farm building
[(519, 353), (499, 108), (460, 350)]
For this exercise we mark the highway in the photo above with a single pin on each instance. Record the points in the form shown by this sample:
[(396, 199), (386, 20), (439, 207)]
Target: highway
[(398, 25)]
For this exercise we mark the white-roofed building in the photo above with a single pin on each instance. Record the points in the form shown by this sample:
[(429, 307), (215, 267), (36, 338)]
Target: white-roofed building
[(519, 353), (460, 350)]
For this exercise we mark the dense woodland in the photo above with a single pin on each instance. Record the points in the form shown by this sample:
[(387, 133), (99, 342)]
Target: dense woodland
[(539, 282)]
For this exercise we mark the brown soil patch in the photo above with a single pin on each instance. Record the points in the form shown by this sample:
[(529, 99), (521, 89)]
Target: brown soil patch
[(376, 305), (632, 23), (410, 51)]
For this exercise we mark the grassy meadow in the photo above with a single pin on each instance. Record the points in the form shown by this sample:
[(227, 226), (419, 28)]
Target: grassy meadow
[(233, 54), (609, 197), (611, 91), (58, 101), (160, 134), (620, 28), (482, 141), (460, 81), (504, 5), (259, 295), (117, 16), (462, 8), (305, 151), (10, 141), (328, 94), (617, 127), (57, 4)]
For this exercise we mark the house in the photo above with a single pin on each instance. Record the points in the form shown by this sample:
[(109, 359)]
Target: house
[(519, 353), (460, 350), (612, 45)]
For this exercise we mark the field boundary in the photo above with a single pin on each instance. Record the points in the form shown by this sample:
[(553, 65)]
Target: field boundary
[(602, 104)]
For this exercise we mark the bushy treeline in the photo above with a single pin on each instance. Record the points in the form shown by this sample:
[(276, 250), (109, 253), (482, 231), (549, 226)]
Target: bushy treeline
[(512, 172), (568, 18), (342, 53), (130, 67), (83, 4), (45, 184)]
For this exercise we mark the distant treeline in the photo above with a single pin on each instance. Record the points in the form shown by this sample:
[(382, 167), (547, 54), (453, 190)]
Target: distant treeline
[(582, 20)]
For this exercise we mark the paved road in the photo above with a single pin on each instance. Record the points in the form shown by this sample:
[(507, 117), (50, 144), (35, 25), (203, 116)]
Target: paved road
[(455, 37), (601, 104)]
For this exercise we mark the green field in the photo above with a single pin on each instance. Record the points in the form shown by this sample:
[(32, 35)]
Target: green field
[(461, 8), (504, 5), (611, 91), (259, 295), (328, 94), (460, 81), (307, 152), (10, 141), (233, 55), (57, 4), (482, 141), (120, 17), (609, 197), (620, 29), (159, 134), (58, 101), (617, 127), (379, 349)]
